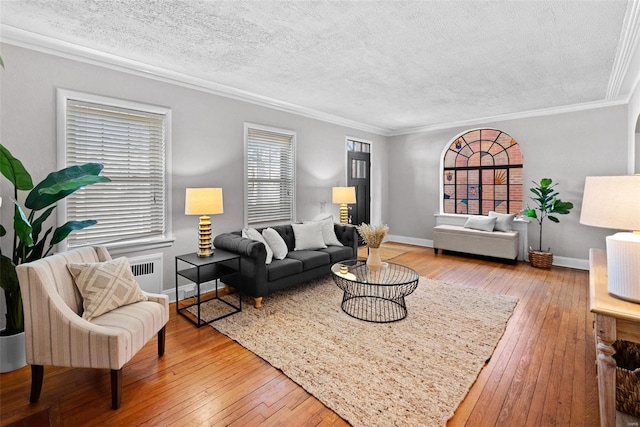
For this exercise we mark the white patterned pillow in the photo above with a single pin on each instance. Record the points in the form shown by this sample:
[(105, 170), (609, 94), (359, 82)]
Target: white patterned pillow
[(105, 286)]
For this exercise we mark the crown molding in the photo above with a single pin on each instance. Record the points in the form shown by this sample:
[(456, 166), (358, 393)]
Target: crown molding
[(26, 39), (511, 116), (29, 40), (627, 50)]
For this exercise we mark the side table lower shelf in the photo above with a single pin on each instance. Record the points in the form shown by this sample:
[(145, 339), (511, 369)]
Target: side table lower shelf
[(202, 309)]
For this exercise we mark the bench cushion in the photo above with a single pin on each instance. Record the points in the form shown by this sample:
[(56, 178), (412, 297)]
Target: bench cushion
[(499, 244)]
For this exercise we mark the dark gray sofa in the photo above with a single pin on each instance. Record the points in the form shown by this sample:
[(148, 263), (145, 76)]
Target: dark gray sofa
[(256, 279)]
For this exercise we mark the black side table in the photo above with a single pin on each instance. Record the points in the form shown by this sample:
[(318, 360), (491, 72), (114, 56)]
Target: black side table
[(200, 270)]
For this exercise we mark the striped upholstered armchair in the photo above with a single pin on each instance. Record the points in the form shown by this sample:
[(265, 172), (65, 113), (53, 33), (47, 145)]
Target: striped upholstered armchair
[(67, 324)]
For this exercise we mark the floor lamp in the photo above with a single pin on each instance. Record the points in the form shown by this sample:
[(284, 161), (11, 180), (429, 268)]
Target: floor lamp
[(204, 202), (344, 196), (614, 202)]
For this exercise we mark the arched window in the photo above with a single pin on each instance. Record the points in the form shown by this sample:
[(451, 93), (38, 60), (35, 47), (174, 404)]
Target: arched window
[(482, 172)]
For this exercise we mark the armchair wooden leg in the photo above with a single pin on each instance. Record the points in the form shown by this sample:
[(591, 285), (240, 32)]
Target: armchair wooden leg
[(116, 388), (37, 375), (258, 302), (161, 334)]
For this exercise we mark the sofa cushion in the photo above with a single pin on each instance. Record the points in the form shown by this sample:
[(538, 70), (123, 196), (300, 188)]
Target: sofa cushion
[(308, 236), (480, 222), (338, 253), (311, 259), (275, 242), (504, 222), (253, 234), (280, 268), (328, 231), (105, 286)]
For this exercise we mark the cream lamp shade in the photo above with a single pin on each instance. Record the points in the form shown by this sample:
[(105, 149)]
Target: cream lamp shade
[(614, 202), (343, 196), (204, 202)]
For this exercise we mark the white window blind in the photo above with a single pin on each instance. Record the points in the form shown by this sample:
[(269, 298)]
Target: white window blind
[(131, 146), (270, 175)]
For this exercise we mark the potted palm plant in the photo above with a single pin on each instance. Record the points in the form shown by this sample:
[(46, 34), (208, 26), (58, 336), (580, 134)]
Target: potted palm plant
[(547, 205), (29, 242)]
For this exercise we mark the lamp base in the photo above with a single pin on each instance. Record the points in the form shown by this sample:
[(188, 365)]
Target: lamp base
[(204, 237), (344, 213), (623, 266)]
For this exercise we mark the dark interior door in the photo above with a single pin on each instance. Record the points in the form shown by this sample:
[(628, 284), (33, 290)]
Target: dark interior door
[(359, 177)]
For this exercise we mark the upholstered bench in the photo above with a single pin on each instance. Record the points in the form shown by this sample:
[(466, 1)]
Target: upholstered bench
[(497, 244)]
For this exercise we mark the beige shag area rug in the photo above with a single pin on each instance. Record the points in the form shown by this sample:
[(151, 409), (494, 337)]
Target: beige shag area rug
[(413, 372)]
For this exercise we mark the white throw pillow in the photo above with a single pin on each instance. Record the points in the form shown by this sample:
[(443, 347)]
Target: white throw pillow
[(504, 222), (308, 236), (105, 286), (276, 242), (253, 234), (480, 222), (328, 231)]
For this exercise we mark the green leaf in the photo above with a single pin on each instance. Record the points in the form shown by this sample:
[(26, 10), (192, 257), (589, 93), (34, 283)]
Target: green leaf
[(68, 185), (561, 207), (531, 213), (3, 231), (63, 231), (1, 62), (553, 219), (35, 252), (14, 170), (21, 226), (66, 181), (8, 276), (545, 182), (37, 223)]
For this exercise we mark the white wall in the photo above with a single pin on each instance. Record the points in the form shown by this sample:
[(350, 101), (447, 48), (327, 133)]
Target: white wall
[(565, 147), (207, 135)]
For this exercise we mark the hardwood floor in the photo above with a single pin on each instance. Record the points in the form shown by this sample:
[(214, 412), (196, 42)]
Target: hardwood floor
[(542, 372)]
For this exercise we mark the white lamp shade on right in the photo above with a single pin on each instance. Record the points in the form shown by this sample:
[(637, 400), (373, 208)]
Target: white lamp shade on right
[(614, 202)]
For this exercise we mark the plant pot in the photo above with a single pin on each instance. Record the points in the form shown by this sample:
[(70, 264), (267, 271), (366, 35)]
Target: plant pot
[(540, 259), (12, 352)]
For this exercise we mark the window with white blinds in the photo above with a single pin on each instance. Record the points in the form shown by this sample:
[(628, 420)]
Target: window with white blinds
[(131, 144), (270, 177)]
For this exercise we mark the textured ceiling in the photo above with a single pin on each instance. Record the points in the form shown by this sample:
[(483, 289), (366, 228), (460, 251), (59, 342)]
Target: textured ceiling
[(389, 64)]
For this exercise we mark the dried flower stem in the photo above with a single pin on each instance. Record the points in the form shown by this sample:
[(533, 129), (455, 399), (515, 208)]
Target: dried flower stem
[(373, 236)]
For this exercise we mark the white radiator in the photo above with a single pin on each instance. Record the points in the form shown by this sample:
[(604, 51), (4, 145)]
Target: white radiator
[(147, 270)]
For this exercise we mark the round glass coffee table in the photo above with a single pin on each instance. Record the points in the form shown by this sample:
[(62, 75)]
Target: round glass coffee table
[(375, 295)]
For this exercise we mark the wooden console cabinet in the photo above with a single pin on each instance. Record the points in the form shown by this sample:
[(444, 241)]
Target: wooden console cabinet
[(614, 319)]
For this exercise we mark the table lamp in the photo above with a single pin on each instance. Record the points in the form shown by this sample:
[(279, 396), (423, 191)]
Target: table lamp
[(614, 202), (344, 196), (204, 202)]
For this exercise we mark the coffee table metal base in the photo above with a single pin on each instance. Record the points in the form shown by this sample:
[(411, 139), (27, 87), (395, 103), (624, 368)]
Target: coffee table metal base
[(374, 295), (374, 309)]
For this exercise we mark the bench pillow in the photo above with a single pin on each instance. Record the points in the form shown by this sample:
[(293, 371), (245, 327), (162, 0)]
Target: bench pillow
[(504, 222), (480, 222)]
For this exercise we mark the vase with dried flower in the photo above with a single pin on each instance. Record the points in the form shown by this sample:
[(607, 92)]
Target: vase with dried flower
[(373, 237)]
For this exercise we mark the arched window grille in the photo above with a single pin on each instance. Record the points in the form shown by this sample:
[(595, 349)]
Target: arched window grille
[(482, 172)]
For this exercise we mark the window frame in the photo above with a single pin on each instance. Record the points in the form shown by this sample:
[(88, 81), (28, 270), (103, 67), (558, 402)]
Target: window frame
[(479, 168), (288, 132), (160, 240)]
